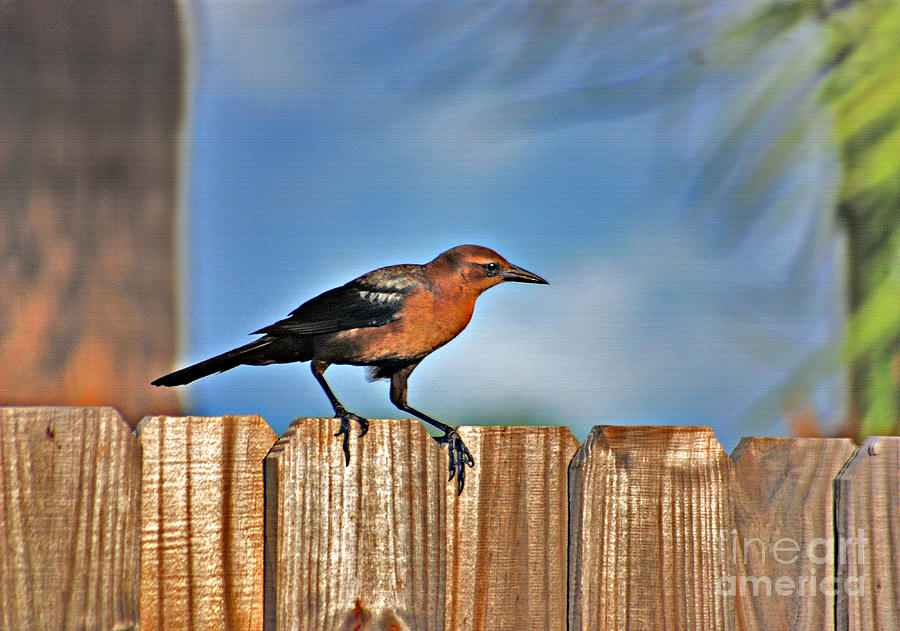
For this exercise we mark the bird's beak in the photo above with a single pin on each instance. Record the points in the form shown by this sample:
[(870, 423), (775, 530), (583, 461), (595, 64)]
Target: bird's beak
[(519, 275)]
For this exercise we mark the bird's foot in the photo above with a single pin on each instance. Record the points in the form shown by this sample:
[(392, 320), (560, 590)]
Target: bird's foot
[(344, 430), (459, 457)]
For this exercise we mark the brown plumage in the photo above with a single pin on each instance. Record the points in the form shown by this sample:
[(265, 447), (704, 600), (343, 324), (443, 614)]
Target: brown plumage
[(389, 320)]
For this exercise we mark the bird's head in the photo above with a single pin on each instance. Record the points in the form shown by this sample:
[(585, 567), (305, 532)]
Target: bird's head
[(480, 268)]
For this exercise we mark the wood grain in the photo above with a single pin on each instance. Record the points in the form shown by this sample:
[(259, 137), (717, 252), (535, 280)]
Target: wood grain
[(867, 510), (650, 518), (69, 520), (202, 532), (507, 533), (784, 520), (357, 547)]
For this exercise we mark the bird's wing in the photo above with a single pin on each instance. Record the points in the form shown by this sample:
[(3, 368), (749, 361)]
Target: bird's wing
[(371, 300)]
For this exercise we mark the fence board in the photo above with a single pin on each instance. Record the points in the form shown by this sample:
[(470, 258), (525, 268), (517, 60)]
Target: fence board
[(507, 533), (868, 525), (784, 521), (69, 515), (356, 547), (650, 518), (202, 534)]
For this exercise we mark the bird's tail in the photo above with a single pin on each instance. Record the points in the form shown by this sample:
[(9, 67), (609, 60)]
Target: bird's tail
[(247, 354)]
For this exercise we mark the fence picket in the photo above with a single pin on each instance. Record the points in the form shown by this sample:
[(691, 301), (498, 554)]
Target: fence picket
[(507, 533), (649, 521), (69, 517), (202, 533), (360, 546), (867, 509), (784, 521)]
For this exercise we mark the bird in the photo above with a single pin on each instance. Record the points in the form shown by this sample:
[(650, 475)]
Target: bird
[(387, 320)]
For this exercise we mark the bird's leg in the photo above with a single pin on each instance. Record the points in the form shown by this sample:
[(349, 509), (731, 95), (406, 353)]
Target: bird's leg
[(457, 451), (318, 371)]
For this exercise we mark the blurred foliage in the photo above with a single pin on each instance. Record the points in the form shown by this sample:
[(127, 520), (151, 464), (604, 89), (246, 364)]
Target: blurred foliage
[(860, 85), (863, 91)]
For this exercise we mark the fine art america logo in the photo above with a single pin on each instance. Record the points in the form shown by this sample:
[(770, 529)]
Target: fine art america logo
[(812, 562)]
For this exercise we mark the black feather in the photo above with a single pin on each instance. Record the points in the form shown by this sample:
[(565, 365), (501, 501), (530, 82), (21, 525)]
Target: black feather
[(252, 353), (370, 300)]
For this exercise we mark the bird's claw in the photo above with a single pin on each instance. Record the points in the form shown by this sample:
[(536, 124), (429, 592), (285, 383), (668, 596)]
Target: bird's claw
[(344, 430), (459, 457)]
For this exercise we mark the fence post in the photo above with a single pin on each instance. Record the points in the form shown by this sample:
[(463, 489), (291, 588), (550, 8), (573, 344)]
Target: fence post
[(359, 546), (69, 519), (784, 521), (650, 519), (867, 511), (507, 533), (202, 537)]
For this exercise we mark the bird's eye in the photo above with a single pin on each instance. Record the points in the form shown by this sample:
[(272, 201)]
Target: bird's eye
[(491, 269)]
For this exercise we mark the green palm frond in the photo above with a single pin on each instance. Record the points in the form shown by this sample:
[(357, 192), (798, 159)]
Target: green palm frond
[(863, 91)]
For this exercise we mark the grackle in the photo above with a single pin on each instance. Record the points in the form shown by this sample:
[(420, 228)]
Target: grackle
[(388, 320)]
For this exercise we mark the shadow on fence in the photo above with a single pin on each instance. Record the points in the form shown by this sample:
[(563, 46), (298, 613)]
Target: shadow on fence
[(214, 523)]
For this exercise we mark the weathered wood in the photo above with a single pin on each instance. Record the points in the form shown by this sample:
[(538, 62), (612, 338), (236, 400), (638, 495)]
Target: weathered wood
[(356, 547), (867, 509), (202, 534), (650, 518), (507, 533), (659, 520), (69, 520), (784, 522)]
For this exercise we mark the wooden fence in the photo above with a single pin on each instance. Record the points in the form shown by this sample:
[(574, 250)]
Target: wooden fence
[(209, 523)]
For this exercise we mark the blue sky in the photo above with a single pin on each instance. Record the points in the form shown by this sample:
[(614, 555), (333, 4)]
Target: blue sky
[(673, 184)]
